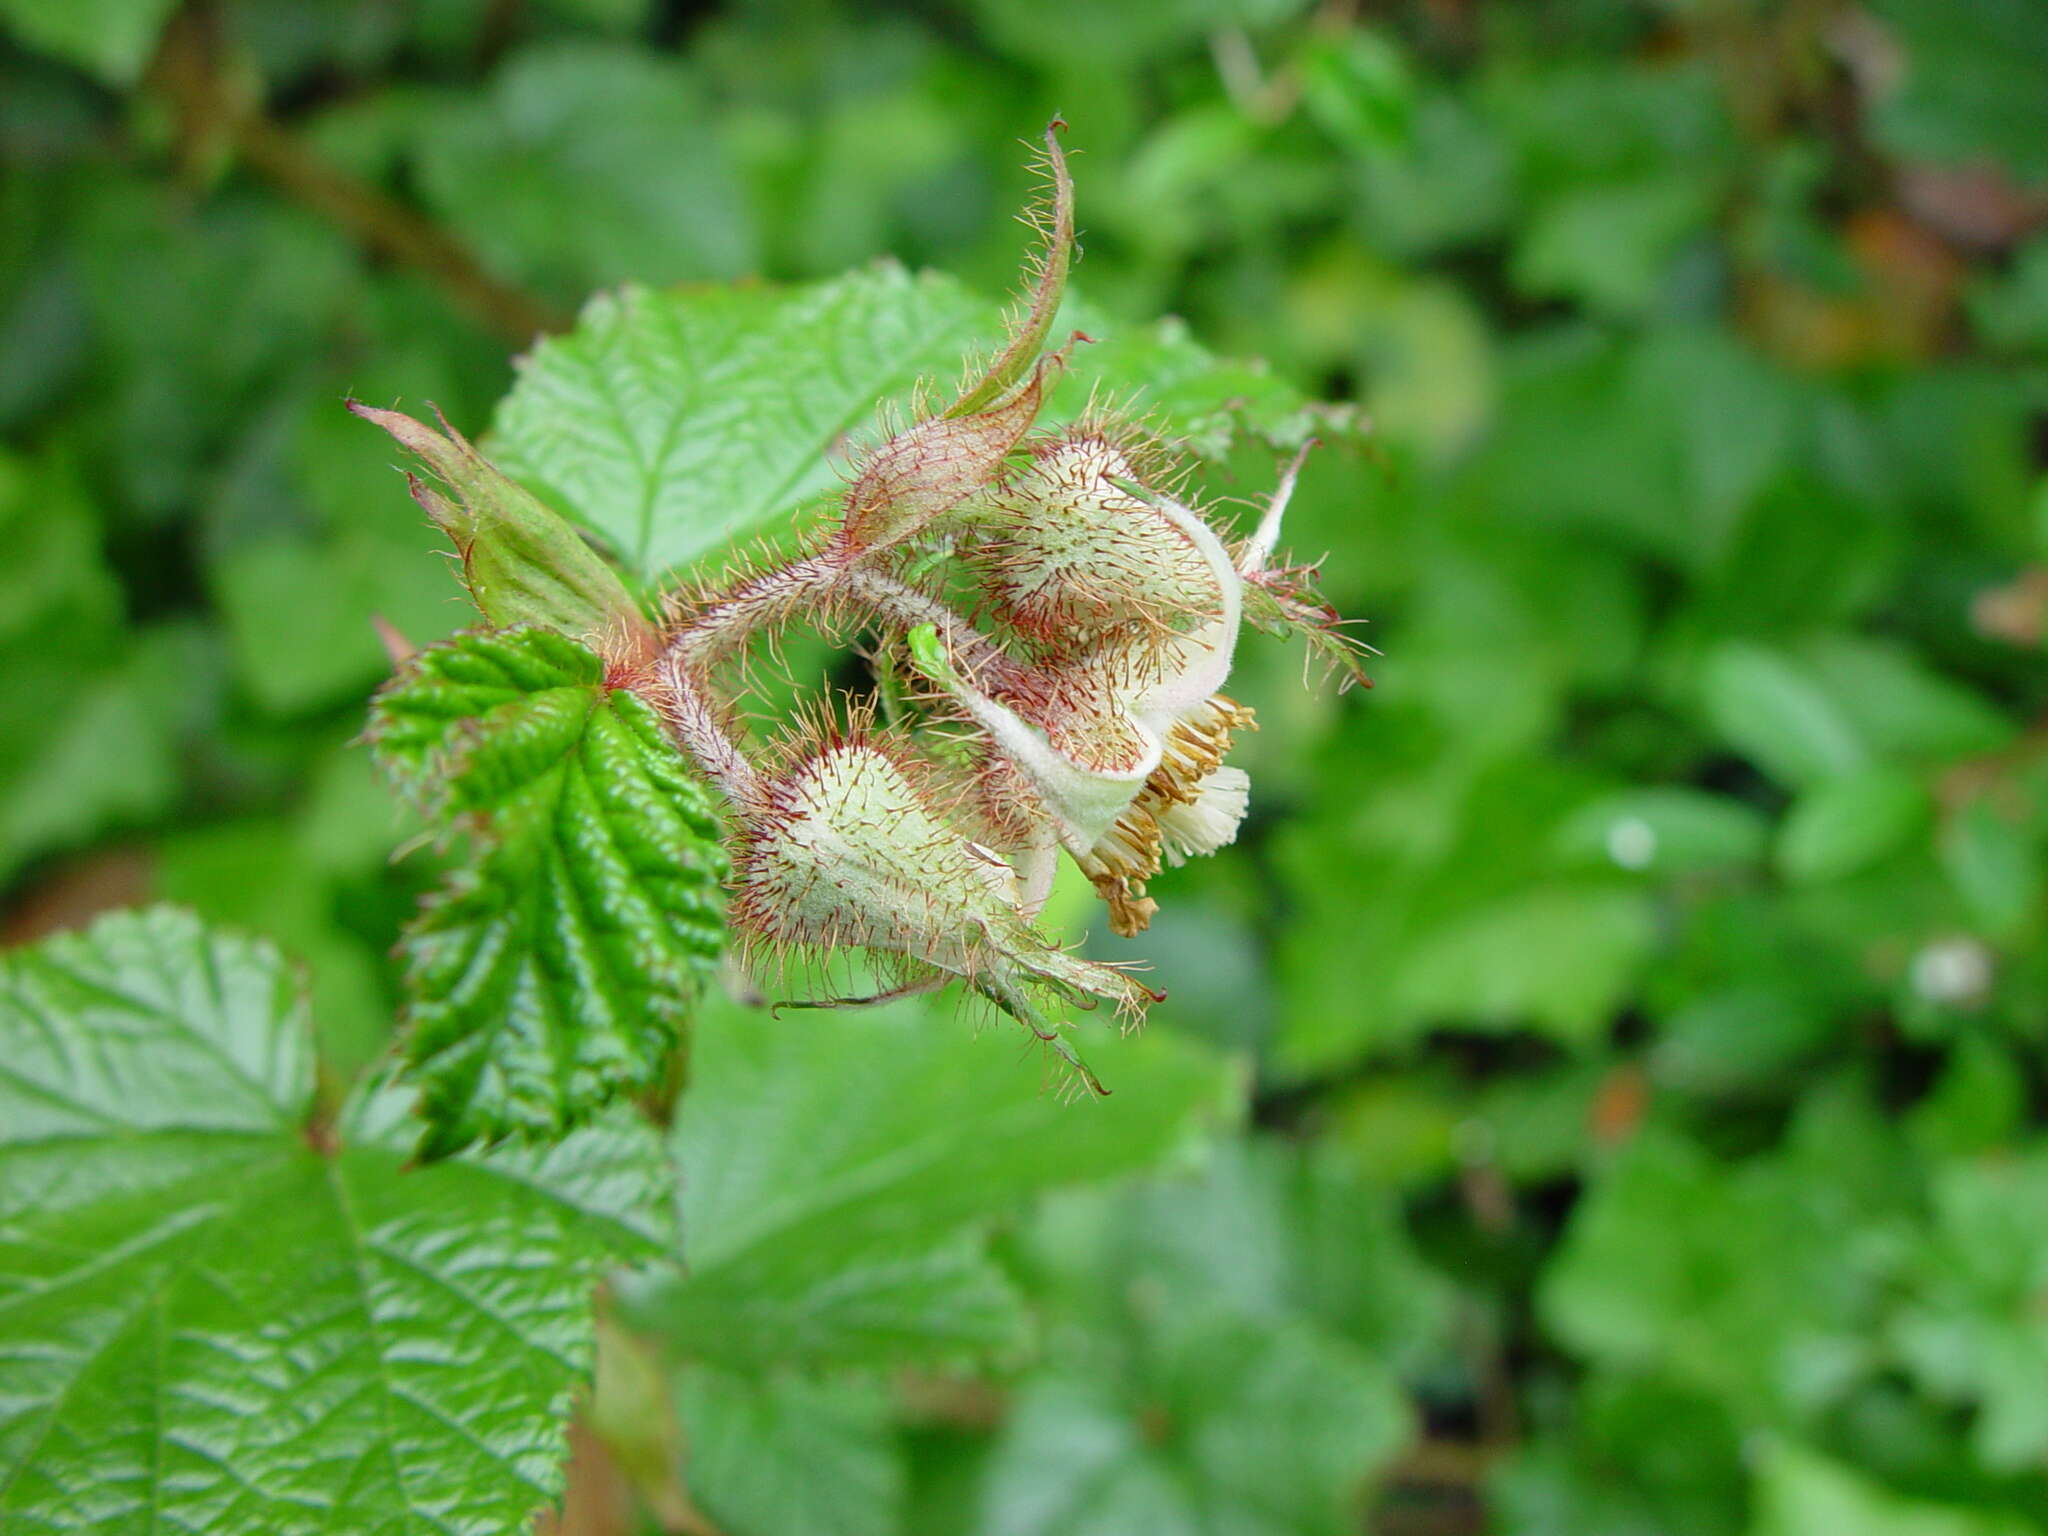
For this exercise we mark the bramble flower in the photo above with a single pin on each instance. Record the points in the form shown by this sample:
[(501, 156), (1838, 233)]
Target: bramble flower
[(1123, 743), (1089, 679)]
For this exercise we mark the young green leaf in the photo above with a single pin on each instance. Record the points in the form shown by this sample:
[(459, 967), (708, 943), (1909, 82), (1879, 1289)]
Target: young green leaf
[(217, 1318), (555, 969)]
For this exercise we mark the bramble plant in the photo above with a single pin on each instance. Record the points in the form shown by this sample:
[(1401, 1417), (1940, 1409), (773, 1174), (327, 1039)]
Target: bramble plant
[(1054, 630), (370, 1313)]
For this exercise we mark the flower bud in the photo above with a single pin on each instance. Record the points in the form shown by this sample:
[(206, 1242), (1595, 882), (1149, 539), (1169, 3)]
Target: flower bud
[(1068, 556), (847, 849)]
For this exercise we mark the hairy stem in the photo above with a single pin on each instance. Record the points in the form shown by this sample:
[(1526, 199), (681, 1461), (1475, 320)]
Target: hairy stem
[(821, 584), (695, 728)]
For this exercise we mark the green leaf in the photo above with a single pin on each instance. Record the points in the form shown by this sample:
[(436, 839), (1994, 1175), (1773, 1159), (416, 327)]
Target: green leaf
[(588, 164), (1232, 1426), (1560, 958), (1800, 1493), (1219, 1352), (678, 425), (1665, 830), (112, 38), (1779, 715), (218, 1321), (1970, 83), (1995, 865), (1640, 1458), (1844, 824), (556, 968), (1609, 246), (85, 747), (1758, 1288), (1972, 1329), (772, 1457), (877, 1143)]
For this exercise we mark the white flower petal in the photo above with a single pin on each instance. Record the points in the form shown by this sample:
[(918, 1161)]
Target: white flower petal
[(1211, 822)]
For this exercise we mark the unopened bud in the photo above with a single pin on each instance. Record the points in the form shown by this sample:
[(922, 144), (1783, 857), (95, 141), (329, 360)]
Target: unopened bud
[(1068, 555), (845, 849)]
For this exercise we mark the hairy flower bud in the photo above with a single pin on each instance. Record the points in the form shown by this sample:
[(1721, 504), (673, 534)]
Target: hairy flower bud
[(846, 849), (1068, 556)]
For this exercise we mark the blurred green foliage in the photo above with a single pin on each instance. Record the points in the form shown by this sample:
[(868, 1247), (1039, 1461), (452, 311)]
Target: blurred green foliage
[(1617, 1041)]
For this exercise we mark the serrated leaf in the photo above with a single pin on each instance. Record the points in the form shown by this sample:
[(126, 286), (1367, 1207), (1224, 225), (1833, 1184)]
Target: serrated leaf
[(680, 424), (556, 968), (840, 1169), (676, 423), (212, 1323)]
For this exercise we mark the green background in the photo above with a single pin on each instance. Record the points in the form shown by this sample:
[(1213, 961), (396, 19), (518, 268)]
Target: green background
[(1627, 1021)]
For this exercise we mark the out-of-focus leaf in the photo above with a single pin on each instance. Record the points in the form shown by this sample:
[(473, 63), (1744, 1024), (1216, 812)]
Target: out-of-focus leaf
[(1968, 83), (589, 164), (111, 38), (214, 1324), (1973, 1330), (769, 1456), (1665, 831), (87, 747), (1219, 1354), (1979, 1103), (1609, 246), (1843, 824), (1233, 1427), (876, 1146), (1800, 1493), (1996, 866), (1559, 959), (556, 968), (1639, 1457), (1760, 1288), (1778, 714), (1358, 85)]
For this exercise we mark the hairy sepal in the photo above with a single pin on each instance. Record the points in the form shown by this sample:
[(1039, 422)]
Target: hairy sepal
[(932, 467), (1033, 325), (522, 562)]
